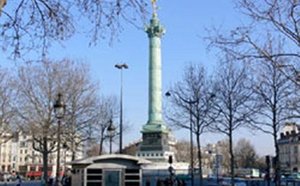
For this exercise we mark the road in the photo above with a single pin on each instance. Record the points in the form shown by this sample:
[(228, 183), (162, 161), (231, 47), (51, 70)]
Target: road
[(24, 183)]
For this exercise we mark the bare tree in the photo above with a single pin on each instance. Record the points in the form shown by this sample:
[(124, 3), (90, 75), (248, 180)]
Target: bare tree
[(132, 148), (7, 113), (81, 97), (272, 38), (245, 154), (183, 151), (191, 102), (6, 103), (281, 16), (37, 87), (93, 149), (105, 113), (34, 24), (233, 102), (274, 93), (275, 20), (36, 92)]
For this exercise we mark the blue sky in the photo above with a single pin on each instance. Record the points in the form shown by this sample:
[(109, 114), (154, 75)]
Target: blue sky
[(185, 23)]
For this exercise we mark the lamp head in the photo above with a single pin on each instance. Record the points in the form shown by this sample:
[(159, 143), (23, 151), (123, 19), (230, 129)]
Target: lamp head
[(120, 66), (59, 107), (111, 128)]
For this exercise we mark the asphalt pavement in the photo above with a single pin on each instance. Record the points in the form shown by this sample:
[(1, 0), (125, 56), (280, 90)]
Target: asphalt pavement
[(24, 183)]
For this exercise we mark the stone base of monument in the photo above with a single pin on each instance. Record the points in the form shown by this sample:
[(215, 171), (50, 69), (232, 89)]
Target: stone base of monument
[(158, 173), (162, 168), (157, 146)]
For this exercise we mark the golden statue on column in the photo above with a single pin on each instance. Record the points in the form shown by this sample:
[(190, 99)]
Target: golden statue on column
[(2, 4), (154, 6)]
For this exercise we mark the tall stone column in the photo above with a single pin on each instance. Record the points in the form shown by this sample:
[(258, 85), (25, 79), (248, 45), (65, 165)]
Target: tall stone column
[(155, 31), (157, 144)]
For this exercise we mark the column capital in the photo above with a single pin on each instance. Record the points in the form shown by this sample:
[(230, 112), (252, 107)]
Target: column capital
[(155, 29)]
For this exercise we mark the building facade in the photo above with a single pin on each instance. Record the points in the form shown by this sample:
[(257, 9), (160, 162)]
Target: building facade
[(8, 152), (289, 145), (212, 160), (17, 154)]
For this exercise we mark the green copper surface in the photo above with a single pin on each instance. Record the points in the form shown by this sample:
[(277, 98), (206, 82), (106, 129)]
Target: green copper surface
[(155, 121)]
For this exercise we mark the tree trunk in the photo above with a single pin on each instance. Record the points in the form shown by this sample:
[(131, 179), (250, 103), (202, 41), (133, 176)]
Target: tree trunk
[(231, 158), (45, 160), (101, 146), (199, 158), (73, 155), (276, 161), (101, 141), (73, 149)]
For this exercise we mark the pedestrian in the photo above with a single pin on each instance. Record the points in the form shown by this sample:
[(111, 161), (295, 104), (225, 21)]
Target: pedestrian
[(43, 183), (148, 183), (50, 181), (69, 180), (167, 182), (66, 180), (19, 180), (159, 182)]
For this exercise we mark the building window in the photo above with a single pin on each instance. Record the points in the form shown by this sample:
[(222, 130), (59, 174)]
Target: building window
[(22, 144), (296, 149)]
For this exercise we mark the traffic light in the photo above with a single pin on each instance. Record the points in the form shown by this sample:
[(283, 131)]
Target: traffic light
[(170, 159), (268, 161)]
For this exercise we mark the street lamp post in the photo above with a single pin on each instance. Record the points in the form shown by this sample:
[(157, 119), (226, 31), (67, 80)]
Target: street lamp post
[(217, 163), (65, 147), (121, 67), (111, 132), (59, 110), (190, 102)]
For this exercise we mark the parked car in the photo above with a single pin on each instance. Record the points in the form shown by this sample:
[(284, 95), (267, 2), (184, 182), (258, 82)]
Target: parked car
[(5, 177), (237, 182)]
